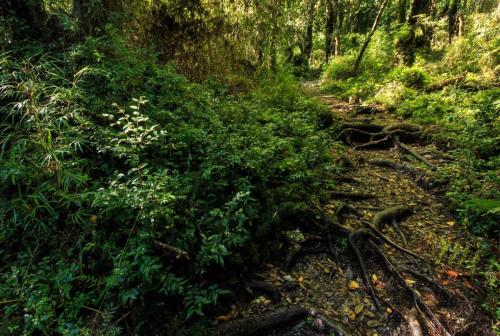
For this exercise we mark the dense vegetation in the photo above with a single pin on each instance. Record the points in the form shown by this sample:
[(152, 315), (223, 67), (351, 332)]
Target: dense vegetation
[(153, 154)]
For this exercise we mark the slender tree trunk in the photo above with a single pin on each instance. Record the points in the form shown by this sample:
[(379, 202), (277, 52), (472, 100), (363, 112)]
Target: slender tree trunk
[(308, 39), (369, 37), (402, 10), (452, 19), (329, 27)]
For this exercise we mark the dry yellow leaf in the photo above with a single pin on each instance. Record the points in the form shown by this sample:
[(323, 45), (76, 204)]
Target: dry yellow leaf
[(451, 223), (374, 277), (353, 285), (410, 282), (389, 310)]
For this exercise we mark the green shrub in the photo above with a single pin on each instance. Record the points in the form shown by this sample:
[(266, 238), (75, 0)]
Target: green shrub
[(413, 77), (105, 152)]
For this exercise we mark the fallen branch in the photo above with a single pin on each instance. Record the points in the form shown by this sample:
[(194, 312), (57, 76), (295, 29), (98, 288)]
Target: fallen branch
[(171, 249)]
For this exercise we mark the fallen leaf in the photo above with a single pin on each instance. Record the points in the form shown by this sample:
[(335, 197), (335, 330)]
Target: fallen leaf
[(451, 223), (410, 282), (230, 316), (353, 285), (389, 310), (373, 323), (300, 279), (359, 308), (374, 278), (452, 273), (369, 314)]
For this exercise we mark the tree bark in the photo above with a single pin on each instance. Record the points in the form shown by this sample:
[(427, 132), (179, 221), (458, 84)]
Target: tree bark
[(92, 15), (31, 13), (330, 25), (369, 37), (453, 19), (308, 38)]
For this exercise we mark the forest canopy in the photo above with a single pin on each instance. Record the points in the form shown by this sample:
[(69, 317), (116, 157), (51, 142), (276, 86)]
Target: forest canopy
[(155, 155)]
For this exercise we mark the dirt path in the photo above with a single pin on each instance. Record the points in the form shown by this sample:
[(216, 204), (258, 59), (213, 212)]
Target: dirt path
[(415, 297)]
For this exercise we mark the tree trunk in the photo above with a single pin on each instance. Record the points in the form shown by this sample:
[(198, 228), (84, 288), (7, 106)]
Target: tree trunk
[(369, 37), (92, 15), (308, 39), (31, 13), (329, 28), (453, 19), (402, 10), (409, 43)]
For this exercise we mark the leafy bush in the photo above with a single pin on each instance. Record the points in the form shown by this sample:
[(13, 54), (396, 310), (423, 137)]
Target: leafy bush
[(106, 160), (338, 77), (413, 77)]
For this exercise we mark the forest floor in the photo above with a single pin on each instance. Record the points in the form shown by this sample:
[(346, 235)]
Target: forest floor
[(417, 297)]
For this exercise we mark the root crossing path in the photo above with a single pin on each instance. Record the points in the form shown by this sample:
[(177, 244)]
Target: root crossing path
[(376, 262)]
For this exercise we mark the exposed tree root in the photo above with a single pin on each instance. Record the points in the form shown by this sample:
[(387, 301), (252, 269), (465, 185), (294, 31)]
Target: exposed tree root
[(423, 277), (280, 319), (364, 110), (293, 251), (260, 325), (419, 177), (262, 287), (431, 320), (385, 141), (372, 135), (397, 228), (353, 243), (402, 167), (411, 151), (390, 215), (367, 127), (328, 326)]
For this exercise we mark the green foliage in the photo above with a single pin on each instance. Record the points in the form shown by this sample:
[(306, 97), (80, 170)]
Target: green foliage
[(338, 77), (104, 152), (413, 77)]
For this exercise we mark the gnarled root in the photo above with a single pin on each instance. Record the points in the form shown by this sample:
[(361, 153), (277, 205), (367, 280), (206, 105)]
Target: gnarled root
[(260, 325), (280, 319), (389, 215), (353, 243), (262, 287), (419, 177), (431, 320)]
